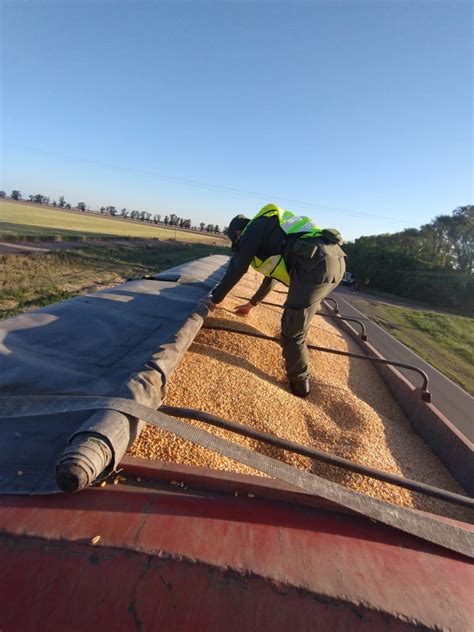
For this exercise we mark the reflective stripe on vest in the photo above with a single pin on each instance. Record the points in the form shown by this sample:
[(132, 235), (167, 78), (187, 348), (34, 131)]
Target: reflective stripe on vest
[(291, 224)]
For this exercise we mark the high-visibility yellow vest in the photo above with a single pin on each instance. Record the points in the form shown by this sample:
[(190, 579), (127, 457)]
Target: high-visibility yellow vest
[(291, 224)]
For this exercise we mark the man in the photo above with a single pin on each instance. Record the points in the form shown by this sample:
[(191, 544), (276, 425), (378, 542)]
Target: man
[(293, 250)]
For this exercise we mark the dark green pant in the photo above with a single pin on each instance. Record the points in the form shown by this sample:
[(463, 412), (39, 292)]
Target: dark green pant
[(311, 280)]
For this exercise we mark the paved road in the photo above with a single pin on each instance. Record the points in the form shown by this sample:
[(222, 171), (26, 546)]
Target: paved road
[(16, 248), (450, 398), (29, 247)]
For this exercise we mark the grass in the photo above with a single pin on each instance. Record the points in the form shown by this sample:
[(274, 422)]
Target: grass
[(30, 281), (410, 302), (23, 220), (444, 340)]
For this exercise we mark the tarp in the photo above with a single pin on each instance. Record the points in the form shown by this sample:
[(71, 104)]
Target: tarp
[(123, 341)]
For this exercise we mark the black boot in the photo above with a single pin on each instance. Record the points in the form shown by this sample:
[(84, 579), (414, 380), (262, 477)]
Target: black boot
[(300, 387)]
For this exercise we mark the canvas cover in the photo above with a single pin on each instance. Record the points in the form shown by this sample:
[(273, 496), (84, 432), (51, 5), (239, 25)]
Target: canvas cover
[(123, 341)]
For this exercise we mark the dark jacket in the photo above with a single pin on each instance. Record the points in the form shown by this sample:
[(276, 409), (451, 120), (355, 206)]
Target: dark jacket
[(263, 238)]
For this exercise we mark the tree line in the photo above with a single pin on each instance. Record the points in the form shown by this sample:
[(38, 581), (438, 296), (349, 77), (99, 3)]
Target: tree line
[(168, 220), (432, 264)]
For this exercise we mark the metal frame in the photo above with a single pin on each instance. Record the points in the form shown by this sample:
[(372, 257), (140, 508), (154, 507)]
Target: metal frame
[(337, 461), (363, 334), (425, 393), (333, 300)]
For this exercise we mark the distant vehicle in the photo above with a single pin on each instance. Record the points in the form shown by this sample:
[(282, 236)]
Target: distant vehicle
[(348, 279)]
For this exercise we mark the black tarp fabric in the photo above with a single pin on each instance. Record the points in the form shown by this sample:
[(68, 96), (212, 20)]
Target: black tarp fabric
[(123, 341)]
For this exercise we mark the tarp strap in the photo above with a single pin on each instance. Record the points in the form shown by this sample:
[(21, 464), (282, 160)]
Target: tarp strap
[(429, 529)]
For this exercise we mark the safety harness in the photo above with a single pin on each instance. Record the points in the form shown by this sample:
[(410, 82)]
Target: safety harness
[(296, 227)]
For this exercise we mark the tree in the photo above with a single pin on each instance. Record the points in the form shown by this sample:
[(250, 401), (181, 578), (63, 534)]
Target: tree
[(448, 241), (202, 226), (157, 219), (111, 210), (123, 212), (81, 206), (102, 210), (210, 228), (166, 220), (55, 203), (185, 223), (442, 253), (461, 234), (16, 195), (2, 194), (225, 230), (68, 206), (433, 264), (61, 202), (217, 230)]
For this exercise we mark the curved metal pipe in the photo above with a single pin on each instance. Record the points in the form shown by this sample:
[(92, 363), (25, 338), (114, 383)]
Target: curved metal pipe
[(328, 298), (331, 459), (333, 300), (363, 333), (426, 395)]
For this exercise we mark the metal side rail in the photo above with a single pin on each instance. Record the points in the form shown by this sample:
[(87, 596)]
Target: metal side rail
[(425, 393), (334, 302), (444, 534), (363, 332), (319, 455), (328, 298)]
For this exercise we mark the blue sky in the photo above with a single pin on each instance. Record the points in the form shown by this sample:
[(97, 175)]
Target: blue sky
[(357, 113)]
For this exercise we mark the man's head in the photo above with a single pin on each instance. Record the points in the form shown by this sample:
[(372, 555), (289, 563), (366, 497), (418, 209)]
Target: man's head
[(236, 227)]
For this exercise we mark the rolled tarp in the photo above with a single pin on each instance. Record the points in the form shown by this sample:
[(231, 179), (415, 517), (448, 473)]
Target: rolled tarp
[(124, 341)]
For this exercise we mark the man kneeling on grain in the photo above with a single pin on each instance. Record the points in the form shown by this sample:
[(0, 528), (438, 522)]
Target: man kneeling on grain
[(293, 250)]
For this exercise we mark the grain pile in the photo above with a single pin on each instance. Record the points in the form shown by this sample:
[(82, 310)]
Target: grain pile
[(349, 412)]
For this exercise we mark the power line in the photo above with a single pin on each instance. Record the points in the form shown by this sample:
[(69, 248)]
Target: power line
[(205, 185)]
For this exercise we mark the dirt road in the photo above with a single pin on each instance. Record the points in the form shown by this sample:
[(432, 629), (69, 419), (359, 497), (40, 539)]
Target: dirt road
[(29, 247)]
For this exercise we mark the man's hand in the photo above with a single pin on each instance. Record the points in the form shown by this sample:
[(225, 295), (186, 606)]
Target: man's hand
[(243, 310)]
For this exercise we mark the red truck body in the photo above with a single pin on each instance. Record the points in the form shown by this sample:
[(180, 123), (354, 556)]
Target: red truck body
[(179, 548)]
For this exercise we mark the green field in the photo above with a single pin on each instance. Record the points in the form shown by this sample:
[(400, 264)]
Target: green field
[(24, 220), (30, 281), (444, 340)]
